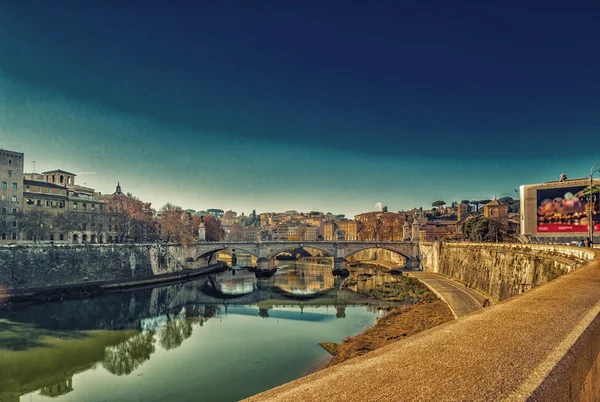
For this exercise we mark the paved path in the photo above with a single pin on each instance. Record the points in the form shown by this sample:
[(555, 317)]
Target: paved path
[(461, 299)]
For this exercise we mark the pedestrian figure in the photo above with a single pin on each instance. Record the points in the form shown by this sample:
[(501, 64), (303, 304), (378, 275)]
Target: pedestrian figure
[(581, 243), (486, 302), (588, 242)]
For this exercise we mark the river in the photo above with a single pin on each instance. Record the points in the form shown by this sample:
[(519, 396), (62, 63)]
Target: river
[(221, 337)]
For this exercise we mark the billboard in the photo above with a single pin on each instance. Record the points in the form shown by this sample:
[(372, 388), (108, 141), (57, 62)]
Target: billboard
[(565, 209)]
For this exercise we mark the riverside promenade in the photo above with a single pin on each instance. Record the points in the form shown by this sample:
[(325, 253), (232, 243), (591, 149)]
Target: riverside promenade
[(539, 345), (458, 297)]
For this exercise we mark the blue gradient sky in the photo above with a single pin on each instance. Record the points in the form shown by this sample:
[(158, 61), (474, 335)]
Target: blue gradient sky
[(289, 105)]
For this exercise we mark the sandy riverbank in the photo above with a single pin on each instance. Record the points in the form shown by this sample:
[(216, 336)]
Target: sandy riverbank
[(426, 312)]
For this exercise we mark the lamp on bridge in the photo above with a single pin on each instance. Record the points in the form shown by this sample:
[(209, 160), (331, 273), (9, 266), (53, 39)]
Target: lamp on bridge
[(591, 202)]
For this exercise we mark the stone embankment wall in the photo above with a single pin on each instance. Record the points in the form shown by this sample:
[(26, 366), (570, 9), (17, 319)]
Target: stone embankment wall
[(24, 268), (502, 270), (378, 255)]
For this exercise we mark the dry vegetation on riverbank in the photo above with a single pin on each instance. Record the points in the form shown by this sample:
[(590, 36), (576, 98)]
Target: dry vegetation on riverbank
[(427, 312)]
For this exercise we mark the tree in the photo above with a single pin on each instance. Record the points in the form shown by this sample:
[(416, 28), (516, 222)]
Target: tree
[(236, 233), (131, 217), (214, 231), (127, 356), (465, 202), (481, 229), (69, 221), (176, 225), (438, 203), (35, 224), (513, 205)]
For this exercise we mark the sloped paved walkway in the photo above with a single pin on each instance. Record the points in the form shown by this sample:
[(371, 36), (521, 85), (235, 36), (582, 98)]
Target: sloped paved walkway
[(461, 299)]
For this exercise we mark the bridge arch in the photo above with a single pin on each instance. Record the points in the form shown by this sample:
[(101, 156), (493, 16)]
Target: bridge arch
[(274, 250), (206, 252), (404, 251)]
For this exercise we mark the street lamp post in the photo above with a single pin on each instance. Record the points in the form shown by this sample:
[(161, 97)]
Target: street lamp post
[(594, 169)]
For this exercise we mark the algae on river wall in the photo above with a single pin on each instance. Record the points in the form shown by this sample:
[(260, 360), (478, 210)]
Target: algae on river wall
[(47, 266), (502, 270)]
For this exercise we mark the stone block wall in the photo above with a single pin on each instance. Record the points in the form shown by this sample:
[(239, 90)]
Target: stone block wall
[(502, 270), (47, 266)]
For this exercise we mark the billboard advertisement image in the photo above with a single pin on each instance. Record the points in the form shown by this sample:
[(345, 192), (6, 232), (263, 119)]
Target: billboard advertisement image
[(566, 210)]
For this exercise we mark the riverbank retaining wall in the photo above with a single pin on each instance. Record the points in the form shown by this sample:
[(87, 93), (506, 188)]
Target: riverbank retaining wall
[(502, 270), (39, 267)]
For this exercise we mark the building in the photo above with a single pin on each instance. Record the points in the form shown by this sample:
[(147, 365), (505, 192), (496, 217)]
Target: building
[(351, 229), (436, 232), (83, 210), (11, 195), (497, 211), (463, 210), (559, 211), (311, 233), (329, 229), (251, 233)]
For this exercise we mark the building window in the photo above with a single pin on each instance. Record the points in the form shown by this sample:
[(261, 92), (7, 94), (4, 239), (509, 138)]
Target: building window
[(61, 237), (85, 226), (14, 186), (100, 207), (14, 236), (38, 203), (59, 192), (4, 210), (74, 205), (15, 210), (10, 161), (3, 197), (62, 178), (39, 190), (3, 237), (4, 185), (9, 173), (53, 179), (27, 188), (49, 191), (14, 224), (29, 201), (14, 198), (84, 205), (47, 203), (3, 224)]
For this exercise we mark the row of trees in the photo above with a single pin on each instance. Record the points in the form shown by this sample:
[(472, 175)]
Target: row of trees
[(513, 205)]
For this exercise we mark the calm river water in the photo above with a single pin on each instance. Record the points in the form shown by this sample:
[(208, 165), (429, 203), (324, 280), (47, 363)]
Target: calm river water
[(222, 337)]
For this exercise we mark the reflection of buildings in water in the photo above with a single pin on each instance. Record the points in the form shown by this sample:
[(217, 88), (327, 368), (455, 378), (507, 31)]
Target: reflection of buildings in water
[(307, 279), (242, 283), (59, 388), (242, 260), (238, 287)]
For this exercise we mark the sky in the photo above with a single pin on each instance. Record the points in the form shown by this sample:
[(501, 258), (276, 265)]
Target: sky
[(277, 105)]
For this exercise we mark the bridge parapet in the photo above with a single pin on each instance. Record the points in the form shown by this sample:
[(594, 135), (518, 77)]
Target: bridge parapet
[(337, 249)]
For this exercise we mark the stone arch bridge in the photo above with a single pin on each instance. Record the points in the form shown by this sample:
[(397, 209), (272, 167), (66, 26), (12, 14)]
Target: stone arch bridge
[(339, 250)]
